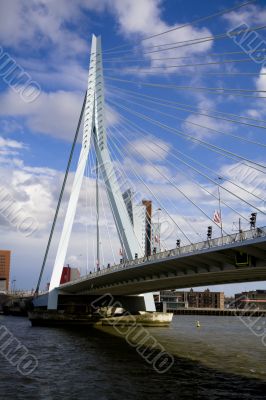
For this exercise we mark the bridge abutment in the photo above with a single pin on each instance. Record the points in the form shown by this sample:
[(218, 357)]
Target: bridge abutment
[(71, 309)]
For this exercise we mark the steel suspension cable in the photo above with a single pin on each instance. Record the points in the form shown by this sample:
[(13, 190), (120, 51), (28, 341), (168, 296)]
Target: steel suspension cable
[(174, 185), (200, 173), (188, 137), (129, 70), (122, 169), (204, 166), (107, 225), (201, 19), (100, 253), (171, 103), (115, 220), (152, 193), (145, 60), (229, 74), (190, 42), (120, 234), (194, 123), (124, 172), (61, 196), (90, 160), (217, 91), (217, 73), (87, 212), (108, 229), (135, 126), (123, 154)]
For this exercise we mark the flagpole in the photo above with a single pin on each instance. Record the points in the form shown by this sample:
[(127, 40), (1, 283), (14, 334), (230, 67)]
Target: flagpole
[(220, 210)]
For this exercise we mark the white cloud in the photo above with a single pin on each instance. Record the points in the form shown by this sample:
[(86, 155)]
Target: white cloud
[(54, 113), (68, 76), (147, 172), (250, 14), (206, 106), (193, 120), (35, 191), (42, 23), (258, 109), (49, 18), (151, 23), (45, 25), (261, 80), (9, 143), (9, 148), (112, 117), (250, 179), (148, 149), (9, 126)]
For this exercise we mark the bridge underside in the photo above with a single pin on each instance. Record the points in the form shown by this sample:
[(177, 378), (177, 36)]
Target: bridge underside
[(208, 267)]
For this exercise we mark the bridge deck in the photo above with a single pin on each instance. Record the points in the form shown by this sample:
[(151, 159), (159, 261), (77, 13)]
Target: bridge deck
[(200, 264)]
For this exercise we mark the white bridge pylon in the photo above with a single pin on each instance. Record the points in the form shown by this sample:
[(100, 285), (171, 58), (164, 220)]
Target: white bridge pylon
[(94, 129)]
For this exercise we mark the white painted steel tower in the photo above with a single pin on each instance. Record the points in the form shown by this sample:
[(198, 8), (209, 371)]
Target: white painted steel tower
[(94, 129)]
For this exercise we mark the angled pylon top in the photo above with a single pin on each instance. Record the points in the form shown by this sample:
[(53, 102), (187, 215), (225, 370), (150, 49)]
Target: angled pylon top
[(94, 128)]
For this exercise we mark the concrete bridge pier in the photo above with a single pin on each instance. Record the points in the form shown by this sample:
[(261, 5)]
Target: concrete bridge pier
[(94, 309)]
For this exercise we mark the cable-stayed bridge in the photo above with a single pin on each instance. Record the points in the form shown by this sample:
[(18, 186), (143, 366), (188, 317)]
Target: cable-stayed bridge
[(215, 261), (198, 185)]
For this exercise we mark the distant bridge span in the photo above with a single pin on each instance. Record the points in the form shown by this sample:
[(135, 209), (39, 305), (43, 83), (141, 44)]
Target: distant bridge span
[(211, 262)]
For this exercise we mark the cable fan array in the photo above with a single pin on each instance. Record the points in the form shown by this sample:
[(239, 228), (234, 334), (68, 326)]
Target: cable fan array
[(184, 135)]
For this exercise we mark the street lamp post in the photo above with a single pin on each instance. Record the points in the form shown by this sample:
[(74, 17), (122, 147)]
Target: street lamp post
[(14, 284)]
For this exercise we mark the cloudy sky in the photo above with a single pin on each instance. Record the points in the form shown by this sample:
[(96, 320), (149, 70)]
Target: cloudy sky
[(172, 126)]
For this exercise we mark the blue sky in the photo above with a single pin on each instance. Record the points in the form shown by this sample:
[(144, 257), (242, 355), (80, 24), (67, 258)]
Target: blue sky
[(50, 40)]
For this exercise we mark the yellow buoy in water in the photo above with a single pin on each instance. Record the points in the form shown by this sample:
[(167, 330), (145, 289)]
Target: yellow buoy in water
[(198, 324)]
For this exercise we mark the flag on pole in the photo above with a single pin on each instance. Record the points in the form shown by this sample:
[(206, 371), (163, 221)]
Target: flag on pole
[(217, 217)]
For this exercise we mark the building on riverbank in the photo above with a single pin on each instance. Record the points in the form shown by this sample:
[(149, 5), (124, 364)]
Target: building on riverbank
[(205, 299), (170, 300), (255, 299), (5, 256)]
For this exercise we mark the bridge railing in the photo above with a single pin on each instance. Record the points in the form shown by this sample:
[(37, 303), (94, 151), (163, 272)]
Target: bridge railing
[(207, 244), (190, 248)]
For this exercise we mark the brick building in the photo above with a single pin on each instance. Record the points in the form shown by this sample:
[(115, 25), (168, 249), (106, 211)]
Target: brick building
[(255, 299), (4, 269), (205, 299), (173, 300)]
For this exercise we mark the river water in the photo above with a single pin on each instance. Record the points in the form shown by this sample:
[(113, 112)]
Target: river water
[(223, 359)]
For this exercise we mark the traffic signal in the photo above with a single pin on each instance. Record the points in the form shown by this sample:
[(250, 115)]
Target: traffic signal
[(209, 232), (252, 220), (178, 243)]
